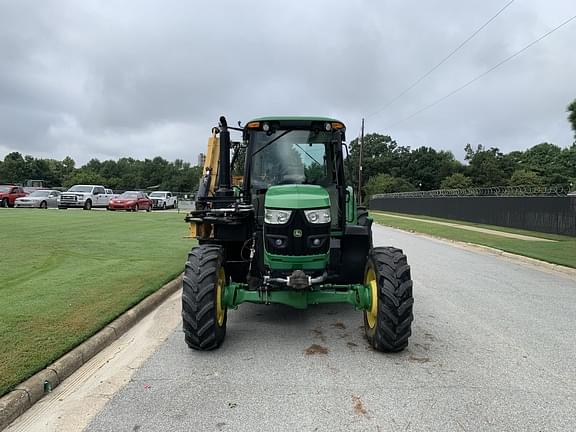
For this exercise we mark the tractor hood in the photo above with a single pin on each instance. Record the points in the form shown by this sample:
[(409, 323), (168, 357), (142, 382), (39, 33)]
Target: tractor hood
[(296, 196)]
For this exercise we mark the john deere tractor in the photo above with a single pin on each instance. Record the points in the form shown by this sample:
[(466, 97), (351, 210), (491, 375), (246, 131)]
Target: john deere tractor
[(291, 233)]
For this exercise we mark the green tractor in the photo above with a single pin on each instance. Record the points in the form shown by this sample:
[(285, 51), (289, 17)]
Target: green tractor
[(290, 234)]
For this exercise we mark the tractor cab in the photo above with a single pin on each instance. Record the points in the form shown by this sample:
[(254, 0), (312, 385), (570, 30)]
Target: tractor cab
[(296, 151)]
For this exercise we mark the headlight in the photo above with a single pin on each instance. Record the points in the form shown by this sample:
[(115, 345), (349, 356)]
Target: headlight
[(277, 217), (318, 216)]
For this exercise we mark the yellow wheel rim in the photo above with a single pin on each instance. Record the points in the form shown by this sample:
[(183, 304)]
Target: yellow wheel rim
[(372, 313), (220, 284)]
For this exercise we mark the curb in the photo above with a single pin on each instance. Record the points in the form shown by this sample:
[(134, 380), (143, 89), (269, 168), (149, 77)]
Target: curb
[(27, 393), (519, 259)]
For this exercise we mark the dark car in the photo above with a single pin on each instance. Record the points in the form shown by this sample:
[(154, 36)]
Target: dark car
[(131, 201)]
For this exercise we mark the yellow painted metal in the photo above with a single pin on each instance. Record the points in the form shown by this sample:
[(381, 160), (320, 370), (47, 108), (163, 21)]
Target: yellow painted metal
[(200, 230), (212, 158), (220, 286), (370, 280)]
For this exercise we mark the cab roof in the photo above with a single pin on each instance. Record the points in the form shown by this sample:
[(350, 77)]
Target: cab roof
[(296, 118)]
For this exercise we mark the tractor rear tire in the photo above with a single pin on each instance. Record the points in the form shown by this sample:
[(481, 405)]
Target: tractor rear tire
[(362, 216), (204, 321), (388, 323)]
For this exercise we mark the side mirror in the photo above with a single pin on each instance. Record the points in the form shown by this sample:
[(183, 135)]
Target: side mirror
[(347, 152)]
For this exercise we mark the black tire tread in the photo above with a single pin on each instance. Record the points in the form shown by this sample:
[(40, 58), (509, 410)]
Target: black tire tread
[(201, 329), (395, 301), (361, 215)]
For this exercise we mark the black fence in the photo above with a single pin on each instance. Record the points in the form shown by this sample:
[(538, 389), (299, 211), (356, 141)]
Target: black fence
[(549, 214)]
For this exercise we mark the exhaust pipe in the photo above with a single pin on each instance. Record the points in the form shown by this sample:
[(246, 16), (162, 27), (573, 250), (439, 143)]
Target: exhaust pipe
[(224, 183)]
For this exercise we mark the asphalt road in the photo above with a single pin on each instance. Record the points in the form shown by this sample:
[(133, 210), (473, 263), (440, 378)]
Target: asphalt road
[(493, 348)]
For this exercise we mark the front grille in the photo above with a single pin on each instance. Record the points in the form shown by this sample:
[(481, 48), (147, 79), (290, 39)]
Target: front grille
[(293, 245), (68, 198)]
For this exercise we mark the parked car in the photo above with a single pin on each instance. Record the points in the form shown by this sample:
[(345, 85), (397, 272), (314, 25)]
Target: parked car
[(131, 201), (84, 196), (163, 200), (39, 199), (9, 194)]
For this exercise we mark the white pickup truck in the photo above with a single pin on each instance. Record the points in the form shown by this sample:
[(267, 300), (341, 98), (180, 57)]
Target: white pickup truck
[(163, 200), (85, 196)]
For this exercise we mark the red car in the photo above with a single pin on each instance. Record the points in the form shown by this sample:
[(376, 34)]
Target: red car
[(9, 193), (131, 201)]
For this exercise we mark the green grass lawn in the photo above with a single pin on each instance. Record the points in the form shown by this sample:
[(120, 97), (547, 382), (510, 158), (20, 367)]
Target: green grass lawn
[(562, 251), (66, 274)]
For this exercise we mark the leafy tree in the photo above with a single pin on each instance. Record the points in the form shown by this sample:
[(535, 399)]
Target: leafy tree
[(426, 167), (239, 163), (572, 116), (380, 155), (526, 178), (84, 177), (487, 167), (456, 181), (385, 183), (14, 168), (68, 165)]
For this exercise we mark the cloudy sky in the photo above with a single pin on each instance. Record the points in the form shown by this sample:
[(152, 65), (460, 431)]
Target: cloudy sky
[(142, 78)]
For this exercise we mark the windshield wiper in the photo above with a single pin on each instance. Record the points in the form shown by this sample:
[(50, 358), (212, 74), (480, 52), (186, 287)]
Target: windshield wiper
[(308, 154), (270, 142)]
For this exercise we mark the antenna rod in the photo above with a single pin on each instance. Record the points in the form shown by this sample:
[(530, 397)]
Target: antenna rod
[(360, 164)]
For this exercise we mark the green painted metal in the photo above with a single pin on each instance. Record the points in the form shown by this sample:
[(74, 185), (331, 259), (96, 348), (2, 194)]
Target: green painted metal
[(294, 118), (303, 262), (296, 196), (356, 295), (351, 214)]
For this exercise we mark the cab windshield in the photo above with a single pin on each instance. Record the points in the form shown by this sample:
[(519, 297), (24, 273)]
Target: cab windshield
[(291, 157), (129, 195), (80, 188), (39, 194)]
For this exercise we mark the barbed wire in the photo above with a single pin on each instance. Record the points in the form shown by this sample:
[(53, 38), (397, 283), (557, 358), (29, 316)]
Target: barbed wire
[(496, 191)]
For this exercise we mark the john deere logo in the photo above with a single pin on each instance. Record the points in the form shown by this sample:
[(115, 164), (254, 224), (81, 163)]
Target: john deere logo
[(297, 233)]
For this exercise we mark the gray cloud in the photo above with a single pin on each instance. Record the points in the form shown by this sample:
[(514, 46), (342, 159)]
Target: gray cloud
[(111, 79)]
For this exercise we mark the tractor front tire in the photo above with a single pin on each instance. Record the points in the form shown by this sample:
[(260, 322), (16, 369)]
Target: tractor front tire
[(203, 317), (389, 320)]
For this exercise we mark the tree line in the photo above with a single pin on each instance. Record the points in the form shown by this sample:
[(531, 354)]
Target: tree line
[(389, 167), (121, 174)]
